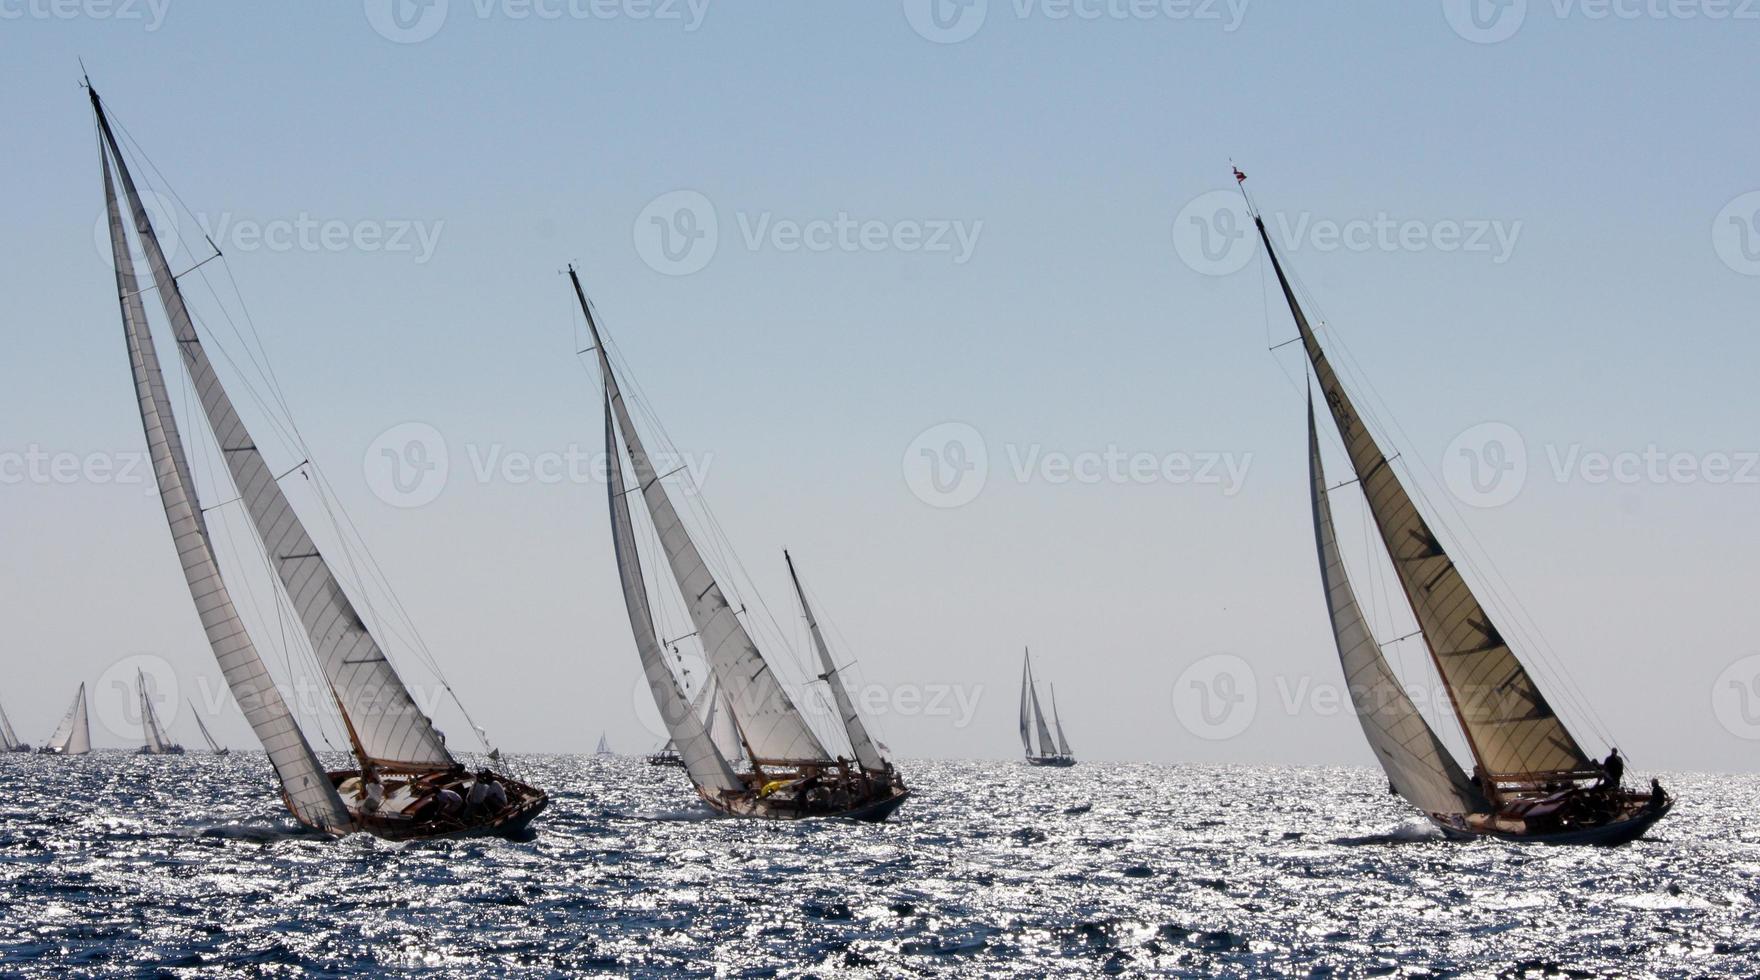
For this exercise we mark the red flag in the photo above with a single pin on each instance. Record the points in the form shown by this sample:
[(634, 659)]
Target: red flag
[(1239, 177)]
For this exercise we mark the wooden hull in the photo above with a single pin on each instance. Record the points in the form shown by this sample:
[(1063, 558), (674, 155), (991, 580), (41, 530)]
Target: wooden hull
[(751, 807), (1626, 825), (1051, 761), (167, 750), (424, 822)]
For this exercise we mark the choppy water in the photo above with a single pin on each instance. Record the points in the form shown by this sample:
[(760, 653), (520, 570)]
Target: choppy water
[(114, 863)]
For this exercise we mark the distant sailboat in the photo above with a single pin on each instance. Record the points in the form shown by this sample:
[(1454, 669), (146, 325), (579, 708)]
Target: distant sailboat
[(604, 748), (74, 735), (156, 742), (408, 784), (8, 740), (1050, 750), (1532, 781), (791, 774), (214, 748)]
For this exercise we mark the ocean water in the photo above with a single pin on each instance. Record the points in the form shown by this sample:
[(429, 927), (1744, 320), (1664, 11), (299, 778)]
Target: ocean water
[(115, 864)]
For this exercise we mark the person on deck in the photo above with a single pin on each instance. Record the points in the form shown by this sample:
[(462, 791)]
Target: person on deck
[(375, 796), (1613, 769), (449, 802), (1658, 796), (479, 793)]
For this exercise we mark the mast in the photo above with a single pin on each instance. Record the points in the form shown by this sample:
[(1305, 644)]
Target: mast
[(1512, 730), (395, 733), (863, 746), (774, 730), (1419, 767)]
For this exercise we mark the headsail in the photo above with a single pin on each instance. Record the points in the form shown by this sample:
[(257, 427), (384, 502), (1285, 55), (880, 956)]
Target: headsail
[(11, 742), (394, 733), (707, 767), (866, 753), (74, 735), (1511, 728), (1057, 723), (308, 791), (1419, 766), (156, 742), (770, 725)]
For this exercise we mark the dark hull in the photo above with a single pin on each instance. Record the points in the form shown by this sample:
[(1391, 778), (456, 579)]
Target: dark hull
[(751, 808), (1624, 829), (672, 761), (524, 804), (1051, 761), (168, 750)]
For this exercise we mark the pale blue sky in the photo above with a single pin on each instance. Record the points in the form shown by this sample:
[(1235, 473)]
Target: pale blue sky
[(1073, 325)]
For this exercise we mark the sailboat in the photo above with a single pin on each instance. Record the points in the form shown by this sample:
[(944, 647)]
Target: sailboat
[(407, 784), (1531, 780), (74, 735), (156, 742), (8, 740), (604, 748), (214, 748), (789, 773), (1050, 750)]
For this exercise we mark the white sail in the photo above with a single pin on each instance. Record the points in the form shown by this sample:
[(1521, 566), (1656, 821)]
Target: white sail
[(1046, 745), (156, 743), (1419, 767), (9, 739), (213, 746), (772, 727), (1026, 705), (308, 791), (1510, 727), (74, 735), (866, 754), (1057, 723), (393, 732), (604, 746), (708, 768)]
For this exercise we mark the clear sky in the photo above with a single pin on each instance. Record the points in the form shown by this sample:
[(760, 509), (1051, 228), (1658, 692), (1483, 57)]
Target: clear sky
[(984, 218)]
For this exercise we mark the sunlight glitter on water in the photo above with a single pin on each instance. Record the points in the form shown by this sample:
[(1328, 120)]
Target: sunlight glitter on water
[(114, 863)]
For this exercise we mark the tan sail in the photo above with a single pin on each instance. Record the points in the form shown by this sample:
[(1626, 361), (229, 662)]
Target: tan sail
[(1512, 730)]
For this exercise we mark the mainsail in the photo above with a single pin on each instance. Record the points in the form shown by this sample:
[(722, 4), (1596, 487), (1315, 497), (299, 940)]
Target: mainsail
[(213, 746), (1418, 765), (866, 753), (770, 726), (74, 735), (156, 742), (393, 732), (1030, 696), (1026, 705), (1509, 725), (8, 741)]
